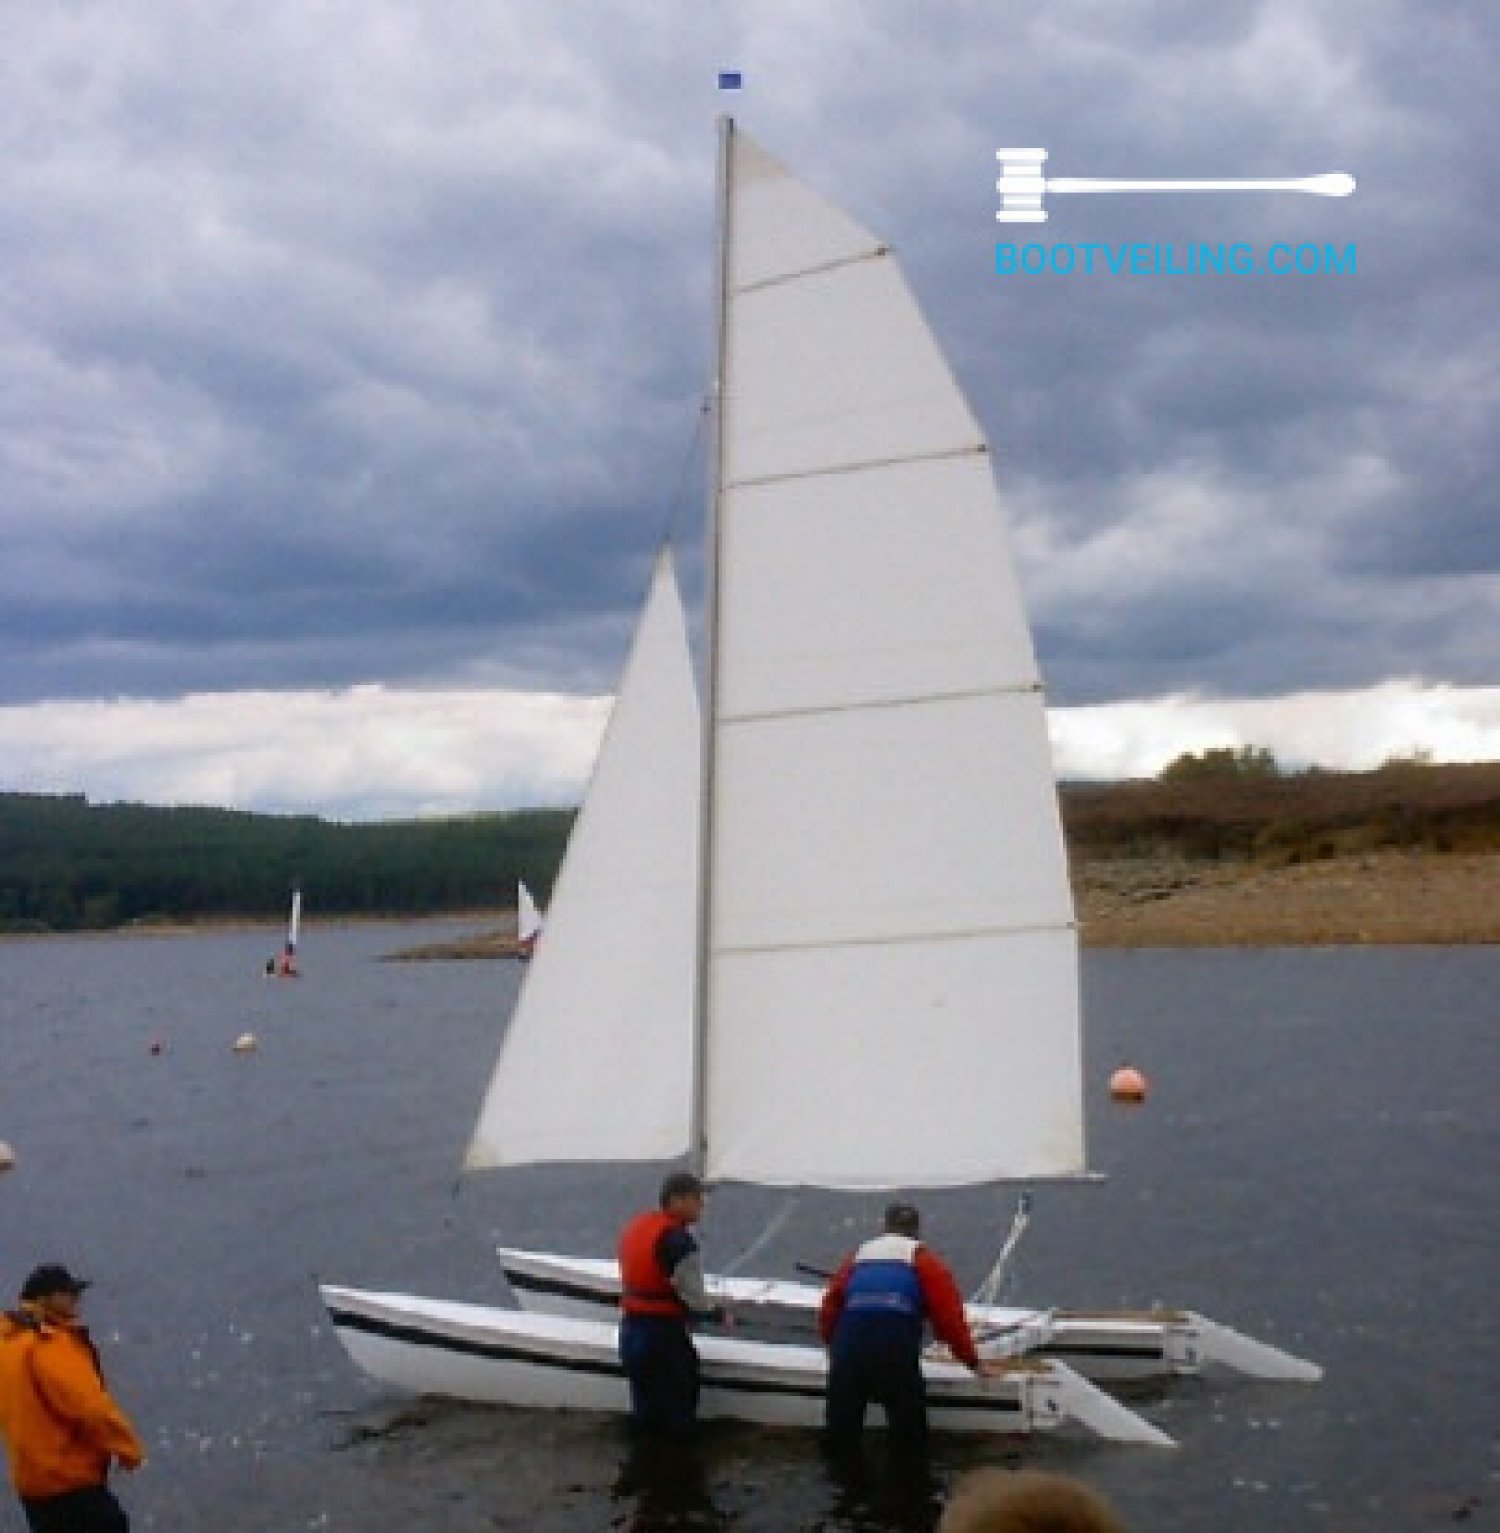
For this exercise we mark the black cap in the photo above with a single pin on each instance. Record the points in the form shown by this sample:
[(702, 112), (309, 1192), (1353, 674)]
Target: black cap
[(903, 1219), (50, 1279), (680, 1184)]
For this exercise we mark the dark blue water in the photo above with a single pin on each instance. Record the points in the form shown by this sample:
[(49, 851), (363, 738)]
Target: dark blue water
[(1319, 1163)]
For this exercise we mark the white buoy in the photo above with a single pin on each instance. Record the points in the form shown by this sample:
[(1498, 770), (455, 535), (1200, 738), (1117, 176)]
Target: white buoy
[(246, 1043), (7, 1157)]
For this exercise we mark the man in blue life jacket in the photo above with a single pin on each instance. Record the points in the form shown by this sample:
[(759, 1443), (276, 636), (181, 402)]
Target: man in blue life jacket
[(661, 1293), (872, 1319)]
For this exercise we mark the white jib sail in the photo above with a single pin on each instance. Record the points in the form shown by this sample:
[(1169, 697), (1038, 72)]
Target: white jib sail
[(596, 1062), (528, 917), (893, 993)]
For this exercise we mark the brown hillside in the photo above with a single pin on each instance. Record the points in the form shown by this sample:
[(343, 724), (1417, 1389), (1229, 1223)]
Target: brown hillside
[(1407, 854), (1300, 818)]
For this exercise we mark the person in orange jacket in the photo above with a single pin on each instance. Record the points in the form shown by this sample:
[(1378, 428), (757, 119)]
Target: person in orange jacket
[(62, 1427), (873, 1318)]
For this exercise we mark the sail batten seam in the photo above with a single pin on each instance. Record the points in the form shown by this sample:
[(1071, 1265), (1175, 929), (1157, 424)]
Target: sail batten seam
[(875, 252), (863, 466), (822, 945), (879, 704)]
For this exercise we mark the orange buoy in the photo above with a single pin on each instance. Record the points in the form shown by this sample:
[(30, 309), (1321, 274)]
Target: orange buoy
[(1127, 1084)]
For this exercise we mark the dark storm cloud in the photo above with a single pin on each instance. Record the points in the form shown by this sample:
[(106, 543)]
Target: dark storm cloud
[(365, 343)]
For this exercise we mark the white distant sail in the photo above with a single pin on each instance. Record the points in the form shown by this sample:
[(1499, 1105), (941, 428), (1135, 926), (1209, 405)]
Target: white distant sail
[(596, 1063), (284, 964), (528, 918)]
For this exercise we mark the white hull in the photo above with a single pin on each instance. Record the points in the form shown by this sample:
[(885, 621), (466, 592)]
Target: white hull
[(510, 1357), (1115, 1348)]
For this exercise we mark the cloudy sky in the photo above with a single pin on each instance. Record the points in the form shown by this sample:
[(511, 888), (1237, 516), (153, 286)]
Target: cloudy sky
[(351, 354)]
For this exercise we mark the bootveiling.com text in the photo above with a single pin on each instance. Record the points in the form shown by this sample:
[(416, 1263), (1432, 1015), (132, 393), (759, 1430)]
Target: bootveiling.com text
[(1145, 259)]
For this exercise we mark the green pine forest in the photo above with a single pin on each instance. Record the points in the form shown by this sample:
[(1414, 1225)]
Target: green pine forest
[(68, 865)]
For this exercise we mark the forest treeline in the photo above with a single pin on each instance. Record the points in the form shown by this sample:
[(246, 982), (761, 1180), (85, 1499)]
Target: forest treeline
[(68, 865)]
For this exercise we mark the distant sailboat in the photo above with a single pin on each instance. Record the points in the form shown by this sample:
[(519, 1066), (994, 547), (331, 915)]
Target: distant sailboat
[(528, 922), (284, 964), (823, 937)]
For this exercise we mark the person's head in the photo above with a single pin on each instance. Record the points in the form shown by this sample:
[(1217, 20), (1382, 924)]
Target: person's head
[(903, 1219), (54, 1290), (682, 1196), (1026, 1501)]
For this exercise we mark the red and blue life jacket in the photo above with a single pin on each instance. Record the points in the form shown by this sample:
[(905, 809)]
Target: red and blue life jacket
[(884, 1280)]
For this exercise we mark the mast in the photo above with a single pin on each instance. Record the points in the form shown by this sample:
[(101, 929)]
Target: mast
[(697, 1118)]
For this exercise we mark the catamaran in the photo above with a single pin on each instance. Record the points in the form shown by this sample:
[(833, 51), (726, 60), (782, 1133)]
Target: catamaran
[(1110, 1347), (792, 919)]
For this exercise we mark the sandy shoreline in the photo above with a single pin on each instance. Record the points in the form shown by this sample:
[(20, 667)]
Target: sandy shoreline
[(1378, 898)]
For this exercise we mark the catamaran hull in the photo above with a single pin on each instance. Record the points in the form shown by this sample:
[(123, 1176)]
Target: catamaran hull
[(510, 1357), (1111, 1348)]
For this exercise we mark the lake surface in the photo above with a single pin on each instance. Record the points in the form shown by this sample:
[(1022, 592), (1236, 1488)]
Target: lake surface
[(1318, 1163)]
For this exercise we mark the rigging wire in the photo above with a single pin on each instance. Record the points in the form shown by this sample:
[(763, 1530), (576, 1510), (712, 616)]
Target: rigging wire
[(774, 1227), (990, 1289), (677, 507)]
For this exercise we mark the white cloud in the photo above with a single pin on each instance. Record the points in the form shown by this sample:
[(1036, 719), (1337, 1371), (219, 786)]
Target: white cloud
[(371, 753), (364, 753), (1343, 731)]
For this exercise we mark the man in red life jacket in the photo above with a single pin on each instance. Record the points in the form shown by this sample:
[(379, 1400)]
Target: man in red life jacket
[(661, 1292), (872, 1319)]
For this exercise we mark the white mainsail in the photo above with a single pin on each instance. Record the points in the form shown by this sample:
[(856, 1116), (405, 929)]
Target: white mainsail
[(893, 996), (595, 1064)]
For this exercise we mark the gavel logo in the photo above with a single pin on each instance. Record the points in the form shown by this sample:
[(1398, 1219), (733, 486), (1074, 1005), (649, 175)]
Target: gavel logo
[(1022, 186)]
